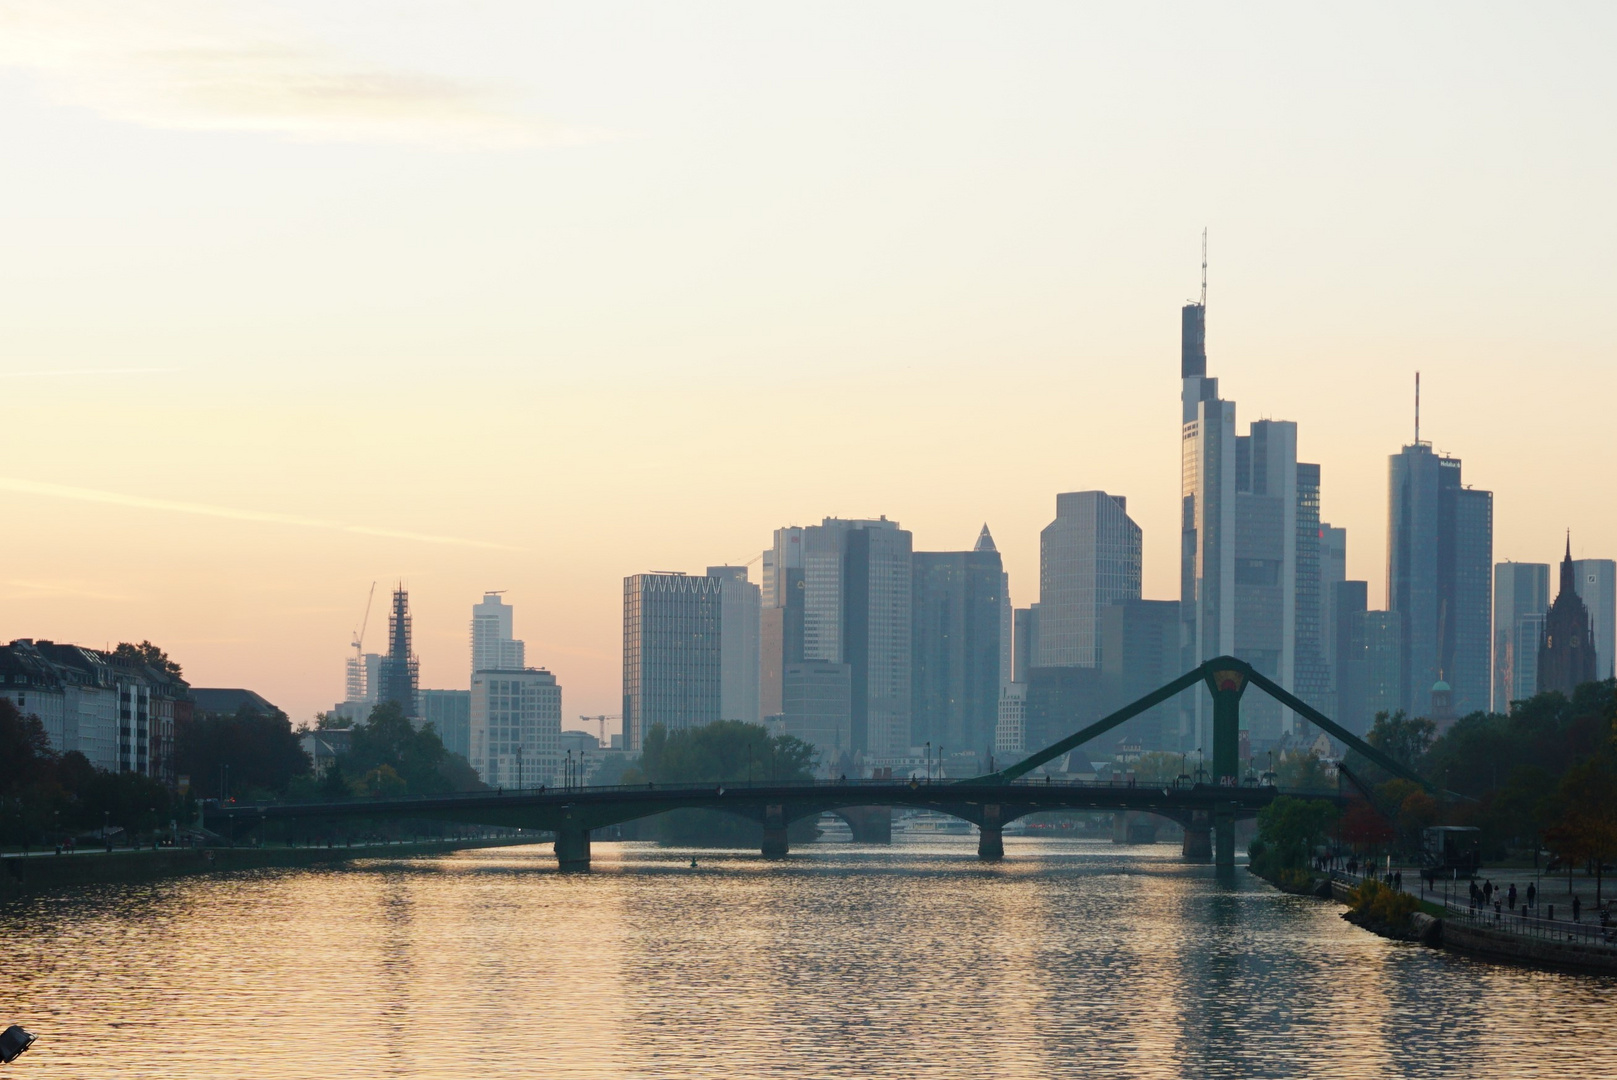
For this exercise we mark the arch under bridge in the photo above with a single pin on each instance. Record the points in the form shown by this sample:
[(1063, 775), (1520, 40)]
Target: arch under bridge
[(1206, 811)]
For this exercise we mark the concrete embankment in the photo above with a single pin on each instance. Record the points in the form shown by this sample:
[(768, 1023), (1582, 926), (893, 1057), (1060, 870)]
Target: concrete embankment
[(1500, 944), (21, 876)]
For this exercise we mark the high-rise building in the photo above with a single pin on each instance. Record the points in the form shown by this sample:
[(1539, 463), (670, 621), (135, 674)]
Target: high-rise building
[(1384, 677), (1521, 596), (1010, 734), (672, 653), (739, 660), (856, 585), (817, 707), (1207, 517), (1140, 652), (1349, 600), (1007, 617), (493, 643), (1566, 653), (1596, 580), (1440, 579), (1025, 631), (1311, 676), (1060, 701), (1332, 571), (957, 609), (1266, 563), (400, 670), (1089, 558), (515, 727), (450, 714)]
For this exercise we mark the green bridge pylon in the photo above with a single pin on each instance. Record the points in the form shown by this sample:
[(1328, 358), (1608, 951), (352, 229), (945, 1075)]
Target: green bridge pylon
[(1226, 679)]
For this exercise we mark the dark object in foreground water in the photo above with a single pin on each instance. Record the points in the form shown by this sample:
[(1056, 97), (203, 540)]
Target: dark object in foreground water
[(13, 1041)]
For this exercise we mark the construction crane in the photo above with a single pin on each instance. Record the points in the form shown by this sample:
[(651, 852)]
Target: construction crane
[(601, 720), (356, 663)]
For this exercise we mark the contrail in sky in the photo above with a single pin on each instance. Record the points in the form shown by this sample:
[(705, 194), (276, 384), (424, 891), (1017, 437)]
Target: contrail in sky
[(139, 502), (89, 371)]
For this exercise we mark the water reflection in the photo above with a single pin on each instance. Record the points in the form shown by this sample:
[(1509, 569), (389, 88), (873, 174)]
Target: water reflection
[(842, 961)]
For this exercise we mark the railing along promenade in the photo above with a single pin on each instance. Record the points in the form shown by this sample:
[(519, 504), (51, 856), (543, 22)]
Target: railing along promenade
[(1531, 922)]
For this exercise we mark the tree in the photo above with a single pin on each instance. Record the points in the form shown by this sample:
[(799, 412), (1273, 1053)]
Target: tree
[(1366, 828), (414, 756), (725, 751), (1403, 739), (148, 654), (1585, 829), (1156, 767), (259, 750), (1289, 829), (1303, 772)]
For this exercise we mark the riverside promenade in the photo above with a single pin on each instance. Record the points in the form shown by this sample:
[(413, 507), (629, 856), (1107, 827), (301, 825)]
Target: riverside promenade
[(1544, 933)]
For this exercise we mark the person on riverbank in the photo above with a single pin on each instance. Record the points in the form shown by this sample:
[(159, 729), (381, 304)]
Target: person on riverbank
[(1577, 908), (1532, 895), (1511, 897)]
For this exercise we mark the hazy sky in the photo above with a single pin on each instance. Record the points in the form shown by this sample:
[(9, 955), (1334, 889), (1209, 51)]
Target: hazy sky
[(298, 296)]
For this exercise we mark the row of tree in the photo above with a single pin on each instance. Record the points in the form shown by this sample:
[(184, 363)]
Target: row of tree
[(1543, 775)]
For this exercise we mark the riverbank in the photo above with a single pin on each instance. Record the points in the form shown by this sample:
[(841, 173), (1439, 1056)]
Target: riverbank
[(1434, 926), (31, 874)]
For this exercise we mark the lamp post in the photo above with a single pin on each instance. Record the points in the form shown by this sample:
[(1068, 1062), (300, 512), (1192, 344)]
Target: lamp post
[(929, 761)]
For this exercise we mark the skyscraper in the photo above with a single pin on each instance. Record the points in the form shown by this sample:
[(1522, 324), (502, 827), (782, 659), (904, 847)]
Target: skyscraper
[(855, 588), (1140, 652), (1566, 654), (400, 668), (493, 645), (1439, 579), (1596, 580), (1007, 615), (1267, 505), (739, 624), (1332, 571), (1207, 514), (1521, 595), (672, 653), (1089, 558), (1249, 562), (1025, 632), (1348, 657), (957, 610), (515, 728)]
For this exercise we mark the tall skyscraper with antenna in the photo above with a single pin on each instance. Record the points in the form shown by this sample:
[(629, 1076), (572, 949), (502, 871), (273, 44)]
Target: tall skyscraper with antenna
[(1439, 577), (1249, 535)]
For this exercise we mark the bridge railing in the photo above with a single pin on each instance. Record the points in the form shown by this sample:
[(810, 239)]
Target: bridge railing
[(953, 788)]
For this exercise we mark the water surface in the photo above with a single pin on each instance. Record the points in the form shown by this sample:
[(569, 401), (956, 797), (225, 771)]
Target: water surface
[(1066, 958)]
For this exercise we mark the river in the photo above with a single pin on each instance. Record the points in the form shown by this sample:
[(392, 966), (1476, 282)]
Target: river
[(1067, 958)]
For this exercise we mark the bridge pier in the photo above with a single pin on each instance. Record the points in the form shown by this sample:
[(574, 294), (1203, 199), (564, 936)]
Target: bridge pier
[(775, 844), (1198, 844), (572, 848), (869, 824), (990, 834), (1131, 827)]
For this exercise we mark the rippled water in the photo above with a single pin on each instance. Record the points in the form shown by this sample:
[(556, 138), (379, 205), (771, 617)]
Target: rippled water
[(915, 960)]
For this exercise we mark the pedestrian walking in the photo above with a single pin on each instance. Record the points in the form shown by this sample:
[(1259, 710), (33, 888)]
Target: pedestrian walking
[(1511, 896), (1532, 895), (1577, 908)]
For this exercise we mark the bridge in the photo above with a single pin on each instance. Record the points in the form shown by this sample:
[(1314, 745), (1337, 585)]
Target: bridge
[(1207, 811)]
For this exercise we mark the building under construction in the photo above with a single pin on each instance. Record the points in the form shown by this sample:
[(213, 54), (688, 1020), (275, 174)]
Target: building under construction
[(400, 668)]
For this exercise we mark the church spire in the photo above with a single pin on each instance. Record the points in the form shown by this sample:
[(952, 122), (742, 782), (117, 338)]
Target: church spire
[(1568, 578)]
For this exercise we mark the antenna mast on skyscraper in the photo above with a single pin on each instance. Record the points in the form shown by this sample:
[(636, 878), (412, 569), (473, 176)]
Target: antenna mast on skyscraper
[(1204, 266)]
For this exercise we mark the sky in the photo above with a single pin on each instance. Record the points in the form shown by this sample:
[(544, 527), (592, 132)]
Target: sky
[(483, 295)]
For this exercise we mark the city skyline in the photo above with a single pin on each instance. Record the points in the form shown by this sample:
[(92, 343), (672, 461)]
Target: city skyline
[(602, 317)]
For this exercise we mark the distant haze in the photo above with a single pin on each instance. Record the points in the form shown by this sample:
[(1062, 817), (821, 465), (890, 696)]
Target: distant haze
[(531, 297)]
